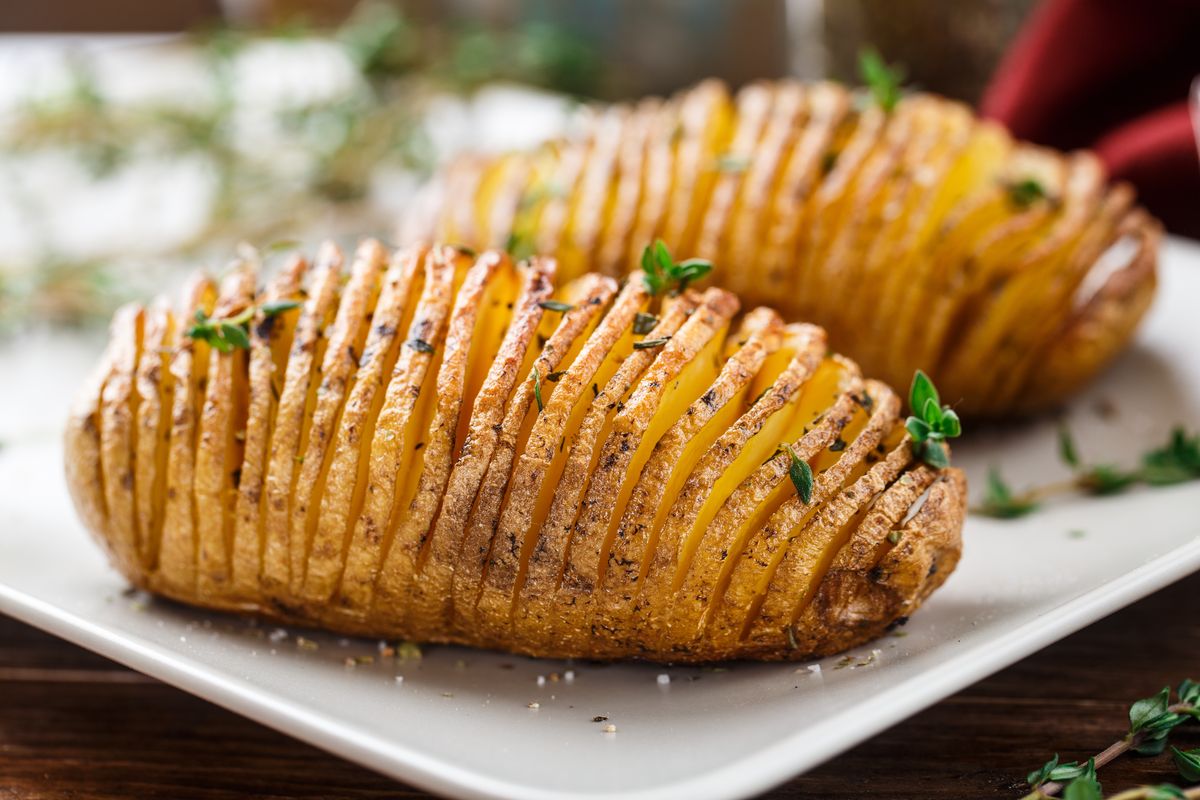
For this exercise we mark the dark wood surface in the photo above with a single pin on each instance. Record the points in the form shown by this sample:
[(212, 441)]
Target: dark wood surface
[(74, 725)]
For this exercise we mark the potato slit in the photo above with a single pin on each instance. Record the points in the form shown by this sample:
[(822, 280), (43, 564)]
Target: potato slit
[(270, 340), (339, 371), (745, 594)]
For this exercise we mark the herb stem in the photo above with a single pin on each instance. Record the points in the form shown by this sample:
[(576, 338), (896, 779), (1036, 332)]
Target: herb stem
[(1117, 748)]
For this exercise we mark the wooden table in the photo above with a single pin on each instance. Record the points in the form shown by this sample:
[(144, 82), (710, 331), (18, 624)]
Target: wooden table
[(74, 725)]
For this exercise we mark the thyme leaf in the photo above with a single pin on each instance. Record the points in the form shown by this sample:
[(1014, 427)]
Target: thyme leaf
[(931, 424), (883, 81), (643, 323), (801, 474), (664, 274), (227, 334)]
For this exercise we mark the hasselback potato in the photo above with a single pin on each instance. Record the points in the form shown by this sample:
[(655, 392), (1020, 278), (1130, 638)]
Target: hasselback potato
[(448, 448), (918, 236)]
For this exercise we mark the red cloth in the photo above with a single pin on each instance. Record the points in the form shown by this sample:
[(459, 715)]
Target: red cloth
[(1114, 76)]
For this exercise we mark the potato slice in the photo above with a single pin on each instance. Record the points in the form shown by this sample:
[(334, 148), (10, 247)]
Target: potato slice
[(705, 119), (176, 573), (155, 391), (218, 453), (826, 210), (579, 242), (742, 241), (270, 341), (681, 373), (397, 447), (926, 286), (675, 457), (862, 599), (861, 211), (337, 373), (753, 109), (1101, 324), (297, 401), (1003, 303), (562, 197), (462, 223), (118, 435), (1060, 281), (345, 482), (757, 565), (477, 605), (541, 463), (815, 540), (537, 600), (919, 197), (494, 321), (814, 156), (702, 580), (771, 418), (626, 197), (656, 187), (500, 208)]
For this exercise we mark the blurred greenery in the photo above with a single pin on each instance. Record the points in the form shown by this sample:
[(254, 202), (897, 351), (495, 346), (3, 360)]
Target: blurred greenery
[(402, 64)]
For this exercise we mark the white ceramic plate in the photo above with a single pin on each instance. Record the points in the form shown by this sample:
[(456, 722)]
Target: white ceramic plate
[(460, 721)]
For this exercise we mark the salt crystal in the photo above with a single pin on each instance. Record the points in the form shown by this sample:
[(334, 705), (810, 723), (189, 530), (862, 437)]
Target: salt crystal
[(664, 679)]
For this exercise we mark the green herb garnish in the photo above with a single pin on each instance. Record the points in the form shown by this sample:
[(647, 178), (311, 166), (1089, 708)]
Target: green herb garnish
[(931, 423), (664, 274), (233, 333), (643, 323), (556, 305), (1026, 192), (1188, 763), (420, 345), (1001, 502), (520, 246), (801, 474), (649, 344), (1175, 462), (1151, 721), (882, 80), (537, 388)]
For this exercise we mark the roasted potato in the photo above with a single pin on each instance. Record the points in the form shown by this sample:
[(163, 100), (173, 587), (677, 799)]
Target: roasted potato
[(451, 448), (920, 238)]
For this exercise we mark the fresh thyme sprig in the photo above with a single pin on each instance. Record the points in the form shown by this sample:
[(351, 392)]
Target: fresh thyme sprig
[(664, 274), (931, 423), (883, 81), (1151, 721), (227, 334), (1177, 461)]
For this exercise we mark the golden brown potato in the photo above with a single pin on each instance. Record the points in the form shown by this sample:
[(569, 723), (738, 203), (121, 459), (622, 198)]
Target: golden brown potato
[(920, 238), (447, 448)]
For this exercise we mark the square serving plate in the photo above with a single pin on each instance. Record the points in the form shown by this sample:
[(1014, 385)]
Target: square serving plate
[(464, 723)]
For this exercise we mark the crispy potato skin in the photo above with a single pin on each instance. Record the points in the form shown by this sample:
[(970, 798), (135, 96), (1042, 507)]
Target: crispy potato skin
[(570, 519), (905, 234)]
